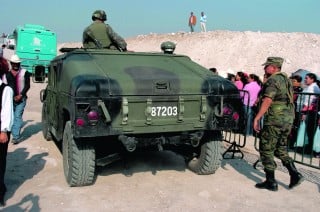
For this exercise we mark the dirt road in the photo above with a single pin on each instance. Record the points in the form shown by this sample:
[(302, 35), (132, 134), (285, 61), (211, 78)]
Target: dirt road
[(153, 182)]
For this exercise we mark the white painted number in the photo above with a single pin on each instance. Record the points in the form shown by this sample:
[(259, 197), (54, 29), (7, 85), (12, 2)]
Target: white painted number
[(164, 111)]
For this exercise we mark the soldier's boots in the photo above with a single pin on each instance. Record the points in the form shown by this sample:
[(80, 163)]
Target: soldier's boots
[(270, 183), (295, 177)]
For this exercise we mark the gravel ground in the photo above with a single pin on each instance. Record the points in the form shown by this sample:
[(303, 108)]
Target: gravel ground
[(156, 181)]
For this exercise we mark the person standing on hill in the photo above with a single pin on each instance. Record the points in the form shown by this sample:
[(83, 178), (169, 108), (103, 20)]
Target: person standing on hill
[(277, 108), (192, 21), (203, 22), (101, 35), (19, 80)]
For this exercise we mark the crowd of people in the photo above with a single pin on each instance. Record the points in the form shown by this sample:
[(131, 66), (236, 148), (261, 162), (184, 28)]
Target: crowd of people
[(307, 105), (306, 101), (274, 107)]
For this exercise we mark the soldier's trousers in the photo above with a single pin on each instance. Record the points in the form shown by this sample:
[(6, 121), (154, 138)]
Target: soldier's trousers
[(273, 143)]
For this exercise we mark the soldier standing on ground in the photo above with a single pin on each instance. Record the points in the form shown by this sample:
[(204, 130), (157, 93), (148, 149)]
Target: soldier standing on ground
[(101, 35), (278, 111)]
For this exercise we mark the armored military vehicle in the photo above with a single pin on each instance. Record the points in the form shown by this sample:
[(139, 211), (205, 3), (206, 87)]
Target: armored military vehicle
[(134, 100)]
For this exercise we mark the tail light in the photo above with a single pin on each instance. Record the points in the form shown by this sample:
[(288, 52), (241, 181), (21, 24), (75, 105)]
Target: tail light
[(225, 117), (93, 117), (86, 115), (235, 116), (80, 122), (227, 111)]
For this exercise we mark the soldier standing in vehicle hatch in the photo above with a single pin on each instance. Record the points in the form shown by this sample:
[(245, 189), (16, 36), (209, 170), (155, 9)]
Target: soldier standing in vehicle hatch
[(101, 35), (278, 110)]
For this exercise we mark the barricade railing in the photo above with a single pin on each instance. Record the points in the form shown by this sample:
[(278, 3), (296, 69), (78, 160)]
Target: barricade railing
[(237, 139), (303, 145)]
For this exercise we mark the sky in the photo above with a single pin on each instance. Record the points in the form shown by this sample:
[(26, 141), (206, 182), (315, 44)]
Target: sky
[(130, 18)]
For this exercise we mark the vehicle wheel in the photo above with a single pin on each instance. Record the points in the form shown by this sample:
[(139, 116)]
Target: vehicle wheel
[(208, 160), (45, 127), (78, 159)]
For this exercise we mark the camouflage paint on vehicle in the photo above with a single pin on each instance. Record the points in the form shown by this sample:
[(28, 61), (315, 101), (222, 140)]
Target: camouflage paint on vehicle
[(136, 81), (140, 99)]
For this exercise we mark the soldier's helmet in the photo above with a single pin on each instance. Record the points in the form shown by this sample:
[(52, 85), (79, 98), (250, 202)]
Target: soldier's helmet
[(99, 14), (168, 47)]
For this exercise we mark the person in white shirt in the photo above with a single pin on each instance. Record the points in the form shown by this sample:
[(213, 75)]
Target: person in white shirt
[(6, 121), (308, 105), (203, 21)]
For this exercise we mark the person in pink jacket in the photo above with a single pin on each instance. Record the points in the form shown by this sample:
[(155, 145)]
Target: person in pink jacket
[(252, 89), (241, 80)]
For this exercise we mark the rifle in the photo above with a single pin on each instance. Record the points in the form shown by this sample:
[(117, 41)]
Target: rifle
[(96, 42)]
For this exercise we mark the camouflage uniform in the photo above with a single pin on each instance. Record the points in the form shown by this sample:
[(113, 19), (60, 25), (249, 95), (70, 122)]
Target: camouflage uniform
[(277, 123), (278, 120), (101, 35)]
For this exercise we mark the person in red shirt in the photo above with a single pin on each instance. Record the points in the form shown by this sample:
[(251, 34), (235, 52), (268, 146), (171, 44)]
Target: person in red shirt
[(192, 21)]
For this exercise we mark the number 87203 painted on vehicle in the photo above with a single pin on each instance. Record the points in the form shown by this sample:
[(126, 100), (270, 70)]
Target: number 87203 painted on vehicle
[(164, 111)]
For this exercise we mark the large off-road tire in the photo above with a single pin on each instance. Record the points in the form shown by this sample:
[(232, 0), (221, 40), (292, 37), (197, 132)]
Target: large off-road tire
[(209, 158), (78, 159), (45, 126)]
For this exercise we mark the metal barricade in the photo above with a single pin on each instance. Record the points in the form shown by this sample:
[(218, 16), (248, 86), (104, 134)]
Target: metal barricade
[(236, 142), (301, 144), (237, 139), (302, 151)]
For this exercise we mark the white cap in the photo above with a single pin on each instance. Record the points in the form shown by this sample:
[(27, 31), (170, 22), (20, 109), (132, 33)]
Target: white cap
[(15, 59)]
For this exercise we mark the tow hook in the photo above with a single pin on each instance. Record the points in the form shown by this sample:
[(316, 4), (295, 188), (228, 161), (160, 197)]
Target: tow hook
[(130, 143), (195, 138)]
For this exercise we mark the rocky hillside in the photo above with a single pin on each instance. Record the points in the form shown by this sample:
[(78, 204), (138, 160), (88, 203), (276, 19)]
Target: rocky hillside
[(232, 51)]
